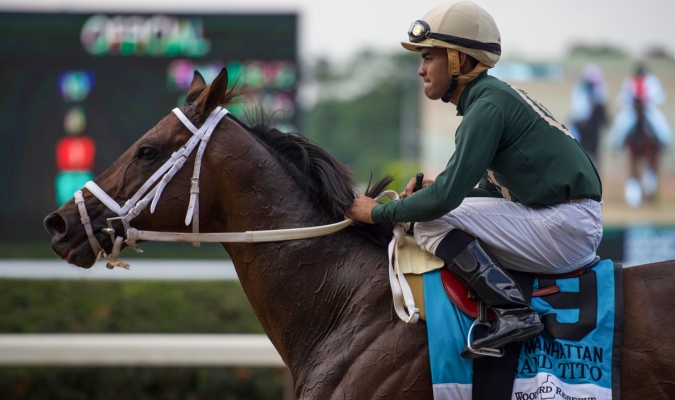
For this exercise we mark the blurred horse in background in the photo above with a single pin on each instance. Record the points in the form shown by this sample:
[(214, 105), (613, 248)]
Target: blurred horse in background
[(644, 129)]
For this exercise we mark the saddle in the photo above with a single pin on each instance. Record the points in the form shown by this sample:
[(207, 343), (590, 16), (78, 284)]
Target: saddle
[(414, 262), (460, 294)]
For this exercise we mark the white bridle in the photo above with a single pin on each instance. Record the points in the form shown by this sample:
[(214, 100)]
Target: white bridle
[(144, 196)]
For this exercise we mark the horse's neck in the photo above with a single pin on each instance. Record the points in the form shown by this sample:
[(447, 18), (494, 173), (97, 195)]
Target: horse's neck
[(297, 288)]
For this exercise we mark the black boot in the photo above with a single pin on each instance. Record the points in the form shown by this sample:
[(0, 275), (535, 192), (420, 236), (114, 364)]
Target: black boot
[(516, 320)]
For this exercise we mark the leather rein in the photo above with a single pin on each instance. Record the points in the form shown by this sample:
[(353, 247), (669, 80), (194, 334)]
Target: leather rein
[(145, 196)]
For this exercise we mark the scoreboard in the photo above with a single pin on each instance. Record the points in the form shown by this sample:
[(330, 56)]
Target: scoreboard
[(76, 90)]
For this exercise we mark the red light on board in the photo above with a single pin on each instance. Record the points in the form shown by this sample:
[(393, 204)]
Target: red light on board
[(75, 154)]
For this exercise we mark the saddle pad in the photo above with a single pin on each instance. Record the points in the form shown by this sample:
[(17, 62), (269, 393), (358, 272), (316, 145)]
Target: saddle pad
[(414, 260), (561, 363)]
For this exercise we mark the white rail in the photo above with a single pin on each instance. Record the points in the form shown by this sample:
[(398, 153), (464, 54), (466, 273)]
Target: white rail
[(138, 350), (141, 269)]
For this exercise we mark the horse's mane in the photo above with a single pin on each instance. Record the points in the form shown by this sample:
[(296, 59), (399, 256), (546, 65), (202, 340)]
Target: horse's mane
[(326, 180)]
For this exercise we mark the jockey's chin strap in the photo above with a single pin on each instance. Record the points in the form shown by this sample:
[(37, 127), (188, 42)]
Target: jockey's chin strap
[(456, 76)]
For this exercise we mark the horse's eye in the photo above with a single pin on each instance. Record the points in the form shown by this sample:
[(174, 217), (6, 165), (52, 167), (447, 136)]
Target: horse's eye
[(147, 153)]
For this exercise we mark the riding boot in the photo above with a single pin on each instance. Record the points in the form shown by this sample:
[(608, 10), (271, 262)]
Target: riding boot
[(516, 320)]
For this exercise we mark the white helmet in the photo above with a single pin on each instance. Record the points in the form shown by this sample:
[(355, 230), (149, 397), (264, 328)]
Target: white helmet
[(462, 26), (457, 27)]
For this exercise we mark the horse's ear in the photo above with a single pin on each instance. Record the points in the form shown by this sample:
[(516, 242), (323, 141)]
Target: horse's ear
[(198, 82), (215, 93)]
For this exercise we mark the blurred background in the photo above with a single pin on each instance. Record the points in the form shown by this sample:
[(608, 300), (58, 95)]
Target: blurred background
[(80, 81)]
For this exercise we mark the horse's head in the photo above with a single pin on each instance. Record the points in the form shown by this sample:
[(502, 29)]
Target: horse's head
[(129, 174)]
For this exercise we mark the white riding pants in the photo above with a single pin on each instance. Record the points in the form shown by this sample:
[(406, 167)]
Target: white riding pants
[(554, 240)]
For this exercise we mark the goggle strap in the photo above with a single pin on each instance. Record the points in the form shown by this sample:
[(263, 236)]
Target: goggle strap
[(495, 48)]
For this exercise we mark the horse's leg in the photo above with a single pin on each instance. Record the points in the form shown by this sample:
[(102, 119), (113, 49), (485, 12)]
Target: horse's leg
[(633, 189), (648, 351), (634, 150), (650, 181)]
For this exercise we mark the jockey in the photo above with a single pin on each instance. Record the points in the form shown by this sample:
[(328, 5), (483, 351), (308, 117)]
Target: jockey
[(589, 95), (643, 128), (518, 193)]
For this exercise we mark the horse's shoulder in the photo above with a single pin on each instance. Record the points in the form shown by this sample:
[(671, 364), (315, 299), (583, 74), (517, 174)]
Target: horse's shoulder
[(655, 272), (648, 348)]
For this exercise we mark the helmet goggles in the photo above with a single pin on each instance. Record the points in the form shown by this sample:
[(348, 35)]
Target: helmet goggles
[(420, 31)]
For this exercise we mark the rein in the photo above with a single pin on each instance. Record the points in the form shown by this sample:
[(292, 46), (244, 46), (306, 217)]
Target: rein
[(144, 196)]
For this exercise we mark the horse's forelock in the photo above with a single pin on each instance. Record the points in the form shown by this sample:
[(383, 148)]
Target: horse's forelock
[(194, 95), (195, 98)]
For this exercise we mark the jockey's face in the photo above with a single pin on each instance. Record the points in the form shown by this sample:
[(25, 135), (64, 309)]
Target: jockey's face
[(434, 72)]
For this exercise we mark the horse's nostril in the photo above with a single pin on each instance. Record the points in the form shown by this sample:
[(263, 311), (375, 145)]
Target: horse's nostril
[(55, 224)]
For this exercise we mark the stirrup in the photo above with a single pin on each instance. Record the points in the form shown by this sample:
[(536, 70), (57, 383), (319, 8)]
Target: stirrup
[(482, 320), (483, 351)]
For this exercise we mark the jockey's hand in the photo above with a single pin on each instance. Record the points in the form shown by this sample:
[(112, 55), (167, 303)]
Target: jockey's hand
[(361, 209), (411, 186)]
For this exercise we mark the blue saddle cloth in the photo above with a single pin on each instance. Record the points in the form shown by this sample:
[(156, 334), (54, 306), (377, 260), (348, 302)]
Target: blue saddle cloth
[(576, 357)]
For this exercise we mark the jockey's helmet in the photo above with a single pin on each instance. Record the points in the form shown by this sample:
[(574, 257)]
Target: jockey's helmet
[(461, 26)]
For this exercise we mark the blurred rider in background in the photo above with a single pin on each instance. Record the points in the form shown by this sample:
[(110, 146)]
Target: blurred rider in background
[(589, 114), (643, 128)]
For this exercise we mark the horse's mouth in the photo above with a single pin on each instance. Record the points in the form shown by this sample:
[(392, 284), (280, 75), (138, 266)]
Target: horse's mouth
[(79, 254), (70, 241), (71, 249)]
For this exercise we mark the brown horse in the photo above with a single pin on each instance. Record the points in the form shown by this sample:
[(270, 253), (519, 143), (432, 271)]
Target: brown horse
[(325, 303)]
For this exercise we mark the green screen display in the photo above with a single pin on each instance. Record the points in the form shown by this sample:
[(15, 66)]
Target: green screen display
[(76, 90)]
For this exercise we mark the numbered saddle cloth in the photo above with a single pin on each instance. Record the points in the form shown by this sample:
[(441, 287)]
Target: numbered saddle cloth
[(576, 357)]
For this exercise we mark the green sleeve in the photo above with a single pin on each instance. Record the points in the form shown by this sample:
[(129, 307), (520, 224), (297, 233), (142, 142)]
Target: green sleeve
[(476, 140)]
